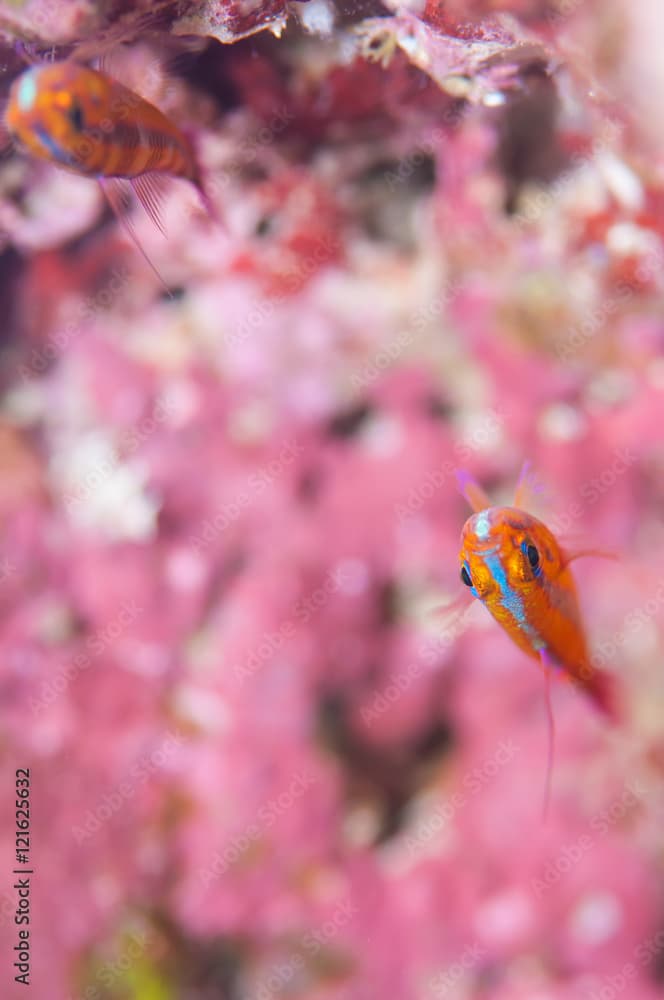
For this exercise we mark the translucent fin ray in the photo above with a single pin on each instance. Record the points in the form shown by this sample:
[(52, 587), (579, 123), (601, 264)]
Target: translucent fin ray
[(472, 491), (569, 555), (150, 190), (117, 193)]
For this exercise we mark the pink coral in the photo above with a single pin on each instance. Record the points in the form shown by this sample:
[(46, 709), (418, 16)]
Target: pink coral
[(264, 762)]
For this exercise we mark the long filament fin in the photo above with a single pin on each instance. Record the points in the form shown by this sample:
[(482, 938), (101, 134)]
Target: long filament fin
[(549, 668)]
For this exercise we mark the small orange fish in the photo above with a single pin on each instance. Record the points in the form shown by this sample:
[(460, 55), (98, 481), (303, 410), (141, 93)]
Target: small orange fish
[(515, 566), (85, 121)]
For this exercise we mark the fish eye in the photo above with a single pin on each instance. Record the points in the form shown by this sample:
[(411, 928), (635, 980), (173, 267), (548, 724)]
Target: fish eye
[(465, 576), (532, 555), (75, 114)]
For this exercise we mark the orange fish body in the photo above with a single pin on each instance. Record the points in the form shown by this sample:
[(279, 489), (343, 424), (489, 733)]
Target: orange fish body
[(87, 122), (513, 563)]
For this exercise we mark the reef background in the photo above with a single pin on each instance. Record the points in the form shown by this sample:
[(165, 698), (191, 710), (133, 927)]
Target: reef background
[(262, 766)]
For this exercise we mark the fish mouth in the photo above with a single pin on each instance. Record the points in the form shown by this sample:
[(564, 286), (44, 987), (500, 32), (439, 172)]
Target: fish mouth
[(479, 548)]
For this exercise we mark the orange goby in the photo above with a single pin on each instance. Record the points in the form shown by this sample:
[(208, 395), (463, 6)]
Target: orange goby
[(515, 565), (87, 122)]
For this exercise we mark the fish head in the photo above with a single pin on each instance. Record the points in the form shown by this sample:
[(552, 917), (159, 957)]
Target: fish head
[(505, 548), (51, 108)]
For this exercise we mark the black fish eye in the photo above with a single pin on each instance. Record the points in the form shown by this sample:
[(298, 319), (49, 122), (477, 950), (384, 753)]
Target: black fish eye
[(75, 114), (465, 576), (532, 556)]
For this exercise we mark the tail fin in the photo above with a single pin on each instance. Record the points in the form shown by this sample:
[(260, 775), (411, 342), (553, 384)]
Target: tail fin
[(201, 179), (604, 690), (203, 188)]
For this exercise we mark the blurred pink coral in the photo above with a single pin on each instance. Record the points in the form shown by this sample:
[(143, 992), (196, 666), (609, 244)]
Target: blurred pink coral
[(263, 764)]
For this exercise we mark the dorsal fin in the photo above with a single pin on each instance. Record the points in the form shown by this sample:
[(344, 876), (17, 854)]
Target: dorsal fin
[(528, 487), (472, 491)]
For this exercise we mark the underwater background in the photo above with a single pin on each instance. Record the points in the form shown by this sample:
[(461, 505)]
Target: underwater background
[(262, 764)]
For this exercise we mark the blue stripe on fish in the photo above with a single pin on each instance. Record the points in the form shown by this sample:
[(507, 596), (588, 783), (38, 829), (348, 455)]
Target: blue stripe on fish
[(511, 601), (56, 151)]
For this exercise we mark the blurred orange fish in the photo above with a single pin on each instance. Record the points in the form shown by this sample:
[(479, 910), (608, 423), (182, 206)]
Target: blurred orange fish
[(516, 567), (87, 122)]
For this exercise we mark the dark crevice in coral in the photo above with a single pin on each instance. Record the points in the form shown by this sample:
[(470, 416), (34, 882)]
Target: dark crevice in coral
[(438, 408), (10, 268), (387, 603), (658, 961), (348, 423), (349, 11), (528, 147), (310, 485), (386, 777), (265, 226), (208, 71), (207, 970)]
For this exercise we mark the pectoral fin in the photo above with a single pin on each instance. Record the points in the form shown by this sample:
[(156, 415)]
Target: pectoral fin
[(118, 195), (569, 554)]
